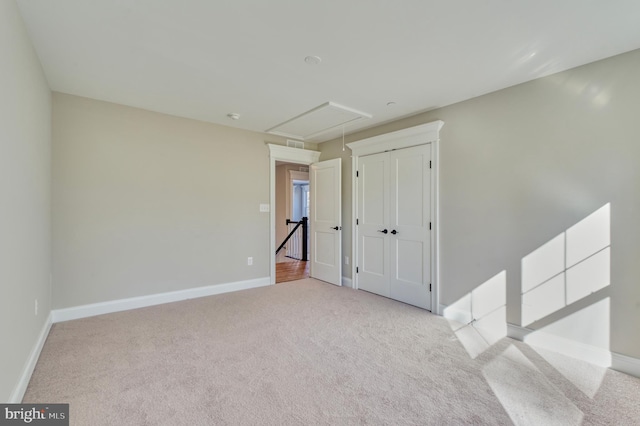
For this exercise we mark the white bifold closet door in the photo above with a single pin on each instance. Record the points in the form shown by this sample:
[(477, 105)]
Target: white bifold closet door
[(393, 229)]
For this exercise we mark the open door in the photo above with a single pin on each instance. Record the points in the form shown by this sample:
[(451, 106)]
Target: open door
[(326, 221)]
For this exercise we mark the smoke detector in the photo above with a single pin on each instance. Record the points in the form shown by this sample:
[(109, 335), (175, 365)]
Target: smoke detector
[(313, 60)]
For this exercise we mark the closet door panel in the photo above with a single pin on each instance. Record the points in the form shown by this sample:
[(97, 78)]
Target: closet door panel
[(410, 217), (410, 255), (394, 213), (408, 190), (373, 217)]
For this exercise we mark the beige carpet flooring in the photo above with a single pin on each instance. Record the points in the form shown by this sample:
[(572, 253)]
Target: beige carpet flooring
[(308, 353)]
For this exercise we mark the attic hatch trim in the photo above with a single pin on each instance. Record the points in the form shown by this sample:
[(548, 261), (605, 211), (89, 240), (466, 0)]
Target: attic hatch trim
[(344, 116)]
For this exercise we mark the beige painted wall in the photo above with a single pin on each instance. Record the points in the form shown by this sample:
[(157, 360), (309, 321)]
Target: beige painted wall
[(25, 181), (146, 203), (522, 165)]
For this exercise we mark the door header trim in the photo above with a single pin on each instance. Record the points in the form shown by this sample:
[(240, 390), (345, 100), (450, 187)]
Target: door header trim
[(405, 138)]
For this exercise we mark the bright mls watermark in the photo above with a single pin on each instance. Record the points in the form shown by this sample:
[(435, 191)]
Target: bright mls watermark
[(34, 414)]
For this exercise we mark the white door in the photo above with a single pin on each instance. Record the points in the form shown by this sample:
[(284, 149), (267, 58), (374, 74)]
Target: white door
[(372, 222), (409, 233), (394, 215), (326, 221)]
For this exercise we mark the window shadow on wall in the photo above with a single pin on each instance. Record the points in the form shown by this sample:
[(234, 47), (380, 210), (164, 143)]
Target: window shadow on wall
[(565, 297), (479, 318), (564, 303), (570, 267)]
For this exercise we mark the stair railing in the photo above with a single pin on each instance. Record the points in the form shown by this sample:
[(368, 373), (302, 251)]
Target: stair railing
[(304, 224)]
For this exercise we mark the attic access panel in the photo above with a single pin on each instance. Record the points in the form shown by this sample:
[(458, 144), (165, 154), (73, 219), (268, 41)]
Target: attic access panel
[(318, 121)]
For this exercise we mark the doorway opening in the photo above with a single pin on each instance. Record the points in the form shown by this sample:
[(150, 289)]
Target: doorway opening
[(283, 154), (325, 212), (292, 195)]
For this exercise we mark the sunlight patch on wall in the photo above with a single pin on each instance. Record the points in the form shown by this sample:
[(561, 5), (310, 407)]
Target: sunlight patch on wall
[(585, 376), (583, 334), (479, 318), (589, 91), (526, 394), (568, 268)]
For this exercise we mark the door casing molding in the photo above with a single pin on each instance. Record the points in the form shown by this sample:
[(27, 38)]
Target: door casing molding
[(418, 135), (289, 155)]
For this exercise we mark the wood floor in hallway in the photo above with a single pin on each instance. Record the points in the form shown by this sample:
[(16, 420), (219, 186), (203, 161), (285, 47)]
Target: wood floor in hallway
[(290, 271)]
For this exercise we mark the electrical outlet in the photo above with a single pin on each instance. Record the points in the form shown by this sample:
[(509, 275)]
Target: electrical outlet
[(249, 261), (264, 208), (36, 307), (346, 260)]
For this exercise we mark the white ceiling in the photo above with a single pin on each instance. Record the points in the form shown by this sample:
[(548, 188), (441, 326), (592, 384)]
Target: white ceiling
[(203, 59)]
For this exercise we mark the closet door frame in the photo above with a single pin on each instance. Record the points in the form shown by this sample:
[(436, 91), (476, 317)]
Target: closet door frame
[(413, 136)]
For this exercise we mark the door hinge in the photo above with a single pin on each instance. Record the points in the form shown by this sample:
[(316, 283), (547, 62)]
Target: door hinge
[(357, 221), (429, 287), (357, 270), (357, 173), (429, 163), (429, 225)]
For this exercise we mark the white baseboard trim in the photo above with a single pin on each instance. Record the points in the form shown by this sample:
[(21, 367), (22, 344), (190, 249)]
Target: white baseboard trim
[(516, 332), (347, 282), (572, 348), (84, 311), (625, 364), (460, 316), (30, 365)]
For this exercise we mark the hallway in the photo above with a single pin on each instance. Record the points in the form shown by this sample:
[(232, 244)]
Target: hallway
[(291, 271)]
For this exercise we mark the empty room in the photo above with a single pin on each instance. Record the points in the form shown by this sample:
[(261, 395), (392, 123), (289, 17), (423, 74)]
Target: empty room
[(452, 190)]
